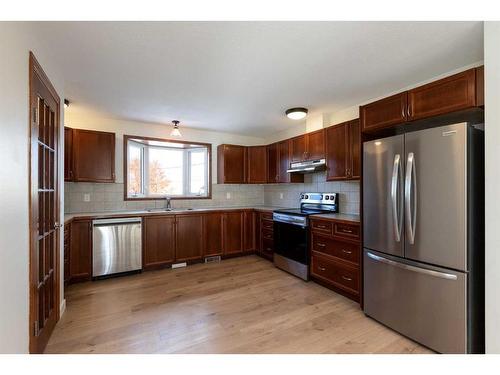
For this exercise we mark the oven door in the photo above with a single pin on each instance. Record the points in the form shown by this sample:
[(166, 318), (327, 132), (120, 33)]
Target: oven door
[(291, 241)]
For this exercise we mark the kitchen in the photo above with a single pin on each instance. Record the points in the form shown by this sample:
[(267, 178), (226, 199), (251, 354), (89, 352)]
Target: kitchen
[(161, 224)]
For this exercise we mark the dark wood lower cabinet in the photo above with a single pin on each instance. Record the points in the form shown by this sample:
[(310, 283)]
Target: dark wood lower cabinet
[(212, 228), (158, 241), (233, 232), (67, 248), (249, 230), (335, 256), (80, 257), (266, 235), (189, 237)]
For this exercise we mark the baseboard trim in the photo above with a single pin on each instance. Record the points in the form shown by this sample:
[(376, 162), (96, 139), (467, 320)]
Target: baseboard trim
[(62, 307)]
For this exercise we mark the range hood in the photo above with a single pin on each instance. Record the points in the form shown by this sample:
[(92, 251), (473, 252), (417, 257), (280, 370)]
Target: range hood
[(309, 166)]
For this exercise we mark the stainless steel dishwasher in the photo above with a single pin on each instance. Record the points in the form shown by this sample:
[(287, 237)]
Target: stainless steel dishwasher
[(117, 246)]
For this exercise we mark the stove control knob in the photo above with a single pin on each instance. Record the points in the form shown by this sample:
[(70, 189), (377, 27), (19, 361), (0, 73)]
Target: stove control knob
[(301, 196), (331, 197), (327, 197), (307, 196)]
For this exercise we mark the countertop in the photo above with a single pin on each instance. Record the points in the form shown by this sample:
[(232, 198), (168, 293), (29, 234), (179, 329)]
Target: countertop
[(110, 214), (344, 217)]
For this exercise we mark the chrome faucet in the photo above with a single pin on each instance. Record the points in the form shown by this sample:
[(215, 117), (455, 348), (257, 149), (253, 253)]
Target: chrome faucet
[(168, 205)]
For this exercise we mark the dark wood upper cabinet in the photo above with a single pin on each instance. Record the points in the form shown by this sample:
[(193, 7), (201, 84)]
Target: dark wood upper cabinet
[(68, 157), (298, 148), (231, 164), (310, 146), (458, 92), (93, 155), (158, 241), (337, 137), (248, 230), (284, 164), (256, 164), (272, 163), (189, 237), (446, 95), (355, 148), (384, 113), (316, 145), (212, 234), (80, 257), (343, 151), (233, 232)]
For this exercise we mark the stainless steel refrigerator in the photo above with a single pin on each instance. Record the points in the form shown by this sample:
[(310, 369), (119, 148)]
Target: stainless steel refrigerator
[(423, 236)]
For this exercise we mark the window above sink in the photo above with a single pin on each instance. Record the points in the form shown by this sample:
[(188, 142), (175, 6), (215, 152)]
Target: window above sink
[(158, 168)]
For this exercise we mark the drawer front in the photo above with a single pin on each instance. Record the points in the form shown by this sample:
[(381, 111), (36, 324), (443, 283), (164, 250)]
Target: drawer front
[(266, 216), (347, 231), (337, 273), (267, 224), (340, 249), (322, 226), (267, 234), (268, 247)]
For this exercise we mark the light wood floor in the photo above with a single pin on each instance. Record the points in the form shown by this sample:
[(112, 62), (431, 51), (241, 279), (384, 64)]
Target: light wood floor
[(241, 305)]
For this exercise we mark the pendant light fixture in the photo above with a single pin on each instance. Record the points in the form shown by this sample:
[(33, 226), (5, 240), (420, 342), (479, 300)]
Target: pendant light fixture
[(296, 113), (66, 103), (175, 131)]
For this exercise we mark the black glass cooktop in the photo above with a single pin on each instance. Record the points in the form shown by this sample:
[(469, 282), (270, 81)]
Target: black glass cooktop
[(301, 211)]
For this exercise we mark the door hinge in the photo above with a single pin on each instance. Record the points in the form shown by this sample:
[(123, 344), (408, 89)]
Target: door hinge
[(36, 329)]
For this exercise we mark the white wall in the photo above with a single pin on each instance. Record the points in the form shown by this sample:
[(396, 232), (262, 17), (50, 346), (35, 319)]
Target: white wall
[(16, 40), (84, 120), (492, 179)]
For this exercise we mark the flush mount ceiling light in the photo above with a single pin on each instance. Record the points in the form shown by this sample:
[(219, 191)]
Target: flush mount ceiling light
[(175, 131), (296, 113), (66, 103)]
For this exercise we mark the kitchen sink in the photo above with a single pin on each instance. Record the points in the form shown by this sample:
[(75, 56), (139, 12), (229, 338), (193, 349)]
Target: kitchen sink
[(169, 209)]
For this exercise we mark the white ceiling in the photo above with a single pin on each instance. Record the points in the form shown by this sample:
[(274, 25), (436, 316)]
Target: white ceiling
[(240, 77)]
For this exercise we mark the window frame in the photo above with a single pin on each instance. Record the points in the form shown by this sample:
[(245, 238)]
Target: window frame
[(126, 197)]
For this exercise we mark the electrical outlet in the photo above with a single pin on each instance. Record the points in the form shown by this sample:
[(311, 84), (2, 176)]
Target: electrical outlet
[(228, 195), (281, 195), (86, 197)]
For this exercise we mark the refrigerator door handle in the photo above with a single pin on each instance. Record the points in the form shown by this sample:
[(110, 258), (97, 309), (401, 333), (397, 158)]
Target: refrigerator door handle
[(442, 275), (396, 217), (410, 181)]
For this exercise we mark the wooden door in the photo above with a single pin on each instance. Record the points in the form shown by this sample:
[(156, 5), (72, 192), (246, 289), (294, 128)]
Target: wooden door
[(233, 232), (44, 110), (337, 156), (212, 226), (80, 256), (248, 230), (257, 164), (189, 237), (272, 163), (316, 145), (159, 241), (93, 156), (384, 113), (298, 148), (355, 149), (68, 150), (446, 95)]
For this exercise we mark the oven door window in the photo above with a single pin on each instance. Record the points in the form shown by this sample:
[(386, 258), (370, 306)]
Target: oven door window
[(291, 241)]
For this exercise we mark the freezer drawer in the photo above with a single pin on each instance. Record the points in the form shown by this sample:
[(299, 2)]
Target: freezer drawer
[(427, 304)]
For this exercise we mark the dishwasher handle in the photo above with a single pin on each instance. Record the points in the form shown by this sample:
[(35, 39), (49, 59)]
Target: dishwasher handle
[(117, 221)]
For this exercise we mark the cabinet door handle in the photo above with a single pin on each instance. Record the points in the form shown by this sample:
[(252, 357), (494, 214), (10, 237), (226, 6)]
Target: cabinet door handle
[(320, 244), (321, 268), (321, 226), (346, 278), (346, 230), (346, 251)]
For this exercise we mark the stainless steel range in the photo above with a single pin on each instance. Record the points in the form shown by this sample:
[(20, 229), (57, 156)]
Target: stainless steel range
[(291, 232)]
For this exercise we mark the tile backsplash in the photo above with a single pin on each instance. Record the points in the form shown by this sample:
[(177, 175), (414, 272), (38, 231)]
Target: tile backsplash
[(109, 197), (288, 195)]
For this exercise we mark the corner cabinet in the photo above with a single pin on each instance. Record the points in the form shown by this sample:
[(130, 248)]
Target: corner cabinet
[(343, 151), (89, 156), (458, 92)]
